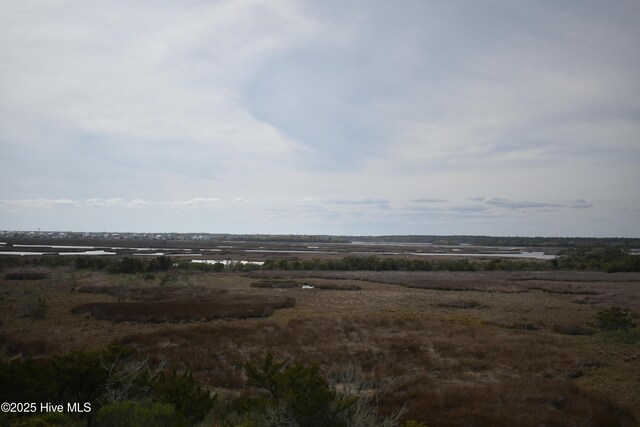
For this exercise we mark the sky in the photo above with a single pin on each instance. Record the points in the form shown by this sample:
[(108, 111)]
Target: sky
[(481, 117)]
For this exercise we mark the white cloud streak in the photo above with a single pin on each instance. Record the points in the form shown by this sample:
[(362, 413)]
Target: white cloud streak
[(511, 204), (108, 203)]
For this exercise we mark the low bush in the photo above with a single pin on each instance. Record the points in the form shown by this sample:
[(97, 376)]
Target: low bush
[(271, 284), (73, 377), (337, 287), (26, 275), (614, 318), (36, 307), (131, 265), (155, 293), (520, 401), (137, 414), (461, 304), (88, 377), (223, 307), (191, 402), (571, 329), (51, 419), (608, 259), (298, 395), (12, 345)]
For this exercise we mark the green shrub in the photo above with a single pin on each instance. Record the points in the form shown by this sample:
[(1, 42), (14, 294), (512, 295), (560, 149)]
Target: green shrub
[(26, 275), (571, 329), (130, 265), (136, 414), (26, 381), (190, 400), (92, 263), (52, 419), (79, 376), (625, 336), (294, 392), (614, 318), (608, 259), (74, 377)]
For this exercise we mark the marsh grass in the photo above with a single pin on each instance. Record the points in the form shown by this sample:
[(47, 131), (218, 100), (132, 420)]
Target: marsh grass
[(12, 345), (572, 329), (431, 368), (275, 284), (26, 275), (288, 284), (153, 293), (442, 363), (523, 401), (462, 304), (224, 307), (35, 307), (337, 287)]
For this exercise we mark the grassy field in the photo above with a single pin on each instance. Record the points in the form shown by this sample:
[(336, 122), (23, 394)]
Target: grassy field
[(447, 348)]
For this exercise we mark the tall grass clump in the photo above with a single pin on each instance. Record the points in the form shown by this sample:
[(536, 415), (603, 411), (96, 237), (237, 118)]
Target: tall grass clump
[(35, 307), (614, 318)]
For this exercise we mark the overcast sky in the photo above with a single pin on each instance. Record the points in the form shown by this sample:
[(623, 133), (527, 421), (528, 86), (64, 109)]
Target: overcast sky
[(321, 117)]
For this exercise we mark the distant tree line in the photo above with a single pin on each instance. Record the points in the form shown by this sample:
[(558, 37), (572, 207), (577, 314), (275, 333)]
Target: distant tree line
[(608, 259), (558, 242), (285, 238), (602, 258), (372, 263), (605, 259), (196, 238)]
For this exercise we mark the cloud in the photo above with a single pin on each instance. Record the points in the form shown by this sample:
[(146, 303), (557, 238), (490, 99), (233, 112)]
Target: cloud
[(581, 204), (427, 200), (115, 203), (476, 199), (379, 203), (505, 203), (108, 203), (365, 201), (468, 208), (197, 201), (419, 208), (40, 203)]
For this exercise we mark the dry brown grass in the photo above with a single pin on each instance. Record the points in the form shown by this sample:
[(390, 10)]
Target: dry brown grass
[(410, 361), (572, 329), (287, 284), (462, 304), (428, 349), (337, 287), (12, 345), (275, 284), (526, 401), (153, 293), (26, 275), (223, 307)]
